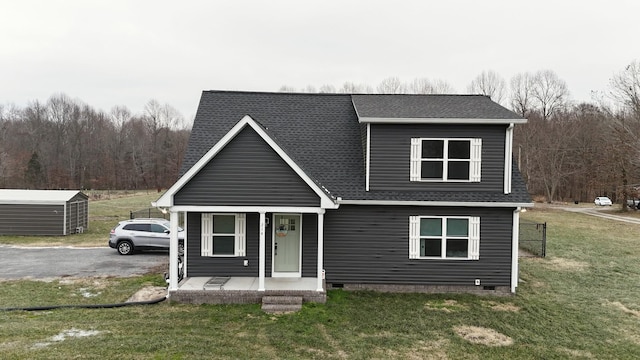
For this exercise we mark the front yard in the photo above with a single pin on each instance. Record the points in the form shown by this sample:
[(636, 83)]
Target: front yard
[(582, 301)]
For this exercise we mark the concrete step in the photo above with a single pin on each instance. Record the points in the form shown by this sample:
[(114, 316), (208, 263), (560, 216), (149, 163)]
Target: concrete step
[(281, 304), (280, 308), (282, 299)]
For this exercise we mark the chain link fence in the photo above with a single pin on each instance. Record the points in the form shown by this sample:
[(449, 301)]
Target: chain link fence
[(533, 239)]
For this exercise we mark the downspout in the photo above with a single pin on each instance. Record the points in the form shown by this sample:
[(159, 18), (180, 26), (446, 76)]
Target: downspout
[(508, 158), (173, 250), (515, 241)]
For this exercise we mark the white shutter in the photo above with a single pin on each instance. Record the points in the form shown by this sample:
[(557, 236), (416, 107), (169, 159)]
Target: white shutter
[(476, 160), (414, 237), (416, 155), (241, 239), (474, 238), (206, 243)]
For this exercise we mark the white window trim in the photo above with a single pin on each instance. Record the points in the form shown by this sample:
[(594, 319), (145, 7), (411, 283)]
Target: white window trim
[(240, 241), (473, 252), (475, 160)]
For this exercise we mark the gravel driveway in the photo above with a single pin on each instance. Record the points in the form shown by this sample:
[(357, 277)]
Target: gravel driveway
[(53, 262)]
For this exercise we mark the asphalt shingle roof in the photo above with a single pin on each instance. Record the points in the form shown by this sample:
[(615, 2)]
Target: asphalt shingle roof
[(321, 134), (436, 106)]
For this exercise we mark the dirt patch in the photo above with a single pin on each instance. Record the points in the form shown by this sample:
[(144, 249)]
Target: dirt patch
[(447, 306), (620, 306), (430, 350), (567, 264), (501, 306), (335, 346), (577, 353), (64, 335), (482, 336), (148, 293)]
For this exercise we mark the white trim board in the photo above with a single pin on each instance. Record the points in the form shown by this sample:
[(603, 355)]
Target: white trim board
[(389, 120), (166, 200), (434, 203)]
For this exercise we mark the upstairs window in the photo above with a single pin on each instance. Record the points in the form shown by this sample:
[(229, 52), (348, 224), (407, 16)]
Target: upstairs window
[(223, 235), (451, 160), (447, 237)]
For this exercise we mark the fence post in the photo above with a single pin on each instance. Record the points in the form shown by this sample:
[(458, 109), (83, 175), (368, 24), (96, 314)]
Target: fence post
[(130, 214), (544, 239)]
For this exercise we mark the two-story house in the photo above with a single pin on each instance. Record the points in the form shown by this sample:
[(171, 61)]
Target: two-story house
[(296, 193)]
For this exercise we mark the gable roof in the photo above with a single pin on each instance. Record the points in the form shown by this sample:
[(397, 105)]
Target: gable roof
[(476, 109), (326, 200), (321, 134), (20, 196)]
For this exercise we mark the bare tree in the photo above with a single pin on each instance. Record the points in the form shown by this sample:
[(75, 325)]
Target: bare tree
[(327, 89), (391, 85), (287, 88), (353, 88), (426, 86), (550, 93), (625, 88), (489, 83), (522, 93)]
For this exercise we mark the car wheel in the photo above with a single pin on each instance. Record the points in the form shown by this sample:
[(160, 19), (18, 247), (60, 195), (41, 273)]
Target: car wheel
[(180, 248), (125, 247)]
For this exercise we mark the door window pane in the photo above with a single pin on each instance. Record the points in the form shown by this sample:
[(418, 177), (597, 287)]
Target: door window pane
[(430, 227), (224, 224)]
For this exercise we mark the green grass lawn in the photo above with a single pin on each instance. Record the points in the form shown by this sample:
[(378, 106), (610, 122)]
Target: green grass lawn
[(581, 302)]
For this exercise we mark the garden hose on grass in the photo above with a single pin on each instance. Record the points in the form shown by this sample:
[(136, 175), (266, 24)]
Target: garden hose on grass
[(92, 306)]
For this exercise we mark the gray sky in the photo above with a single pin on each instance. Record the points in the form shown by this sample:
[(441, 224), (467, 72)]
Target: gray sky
[(116, 52)]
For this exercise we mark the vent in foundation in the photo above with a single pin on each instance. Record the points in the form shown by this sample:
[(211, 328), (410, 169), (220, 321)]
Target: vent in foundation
[(337, 286), (488, 288)]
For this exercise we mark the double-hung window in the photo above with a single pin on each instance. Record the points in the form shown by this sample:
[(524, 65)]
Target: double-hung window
[(223, 234), (440, 159), (444, 237)]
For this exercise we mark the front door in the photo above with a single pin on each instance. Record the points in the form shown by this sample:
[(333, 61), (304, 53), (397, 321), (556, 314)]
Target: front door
[(287, 238)]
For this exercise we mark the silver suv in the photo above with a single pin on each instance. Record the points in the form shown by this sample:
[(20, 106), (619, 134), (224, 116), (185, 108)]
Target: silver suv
[(143, 234)]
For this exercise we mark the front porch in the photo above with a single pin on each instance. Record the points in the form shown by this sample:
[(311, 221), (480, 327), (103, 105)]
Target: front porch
[(244, 290)]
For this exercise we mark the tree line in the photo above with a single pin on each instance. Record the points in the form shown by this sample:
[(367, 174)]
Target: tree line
[(64, 143), (567, 151)]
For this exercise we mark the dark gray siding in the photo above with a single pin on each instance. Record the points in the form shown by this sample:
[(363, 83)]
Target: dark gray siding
[(390, 156), (247, 172), (234, 266), (370, 244), (31, 219)]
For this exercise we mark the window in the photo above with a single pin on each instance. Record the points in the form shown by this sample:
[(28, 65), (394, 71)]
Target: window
[(223, 235), (156, 228), (137, 227), (449, 237), (445, 159)]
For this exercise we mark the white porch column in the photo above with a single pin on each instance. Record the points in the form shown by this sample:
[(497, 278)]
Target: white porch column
[(173, 251), (320, 249), (515, 237), (262, 255)]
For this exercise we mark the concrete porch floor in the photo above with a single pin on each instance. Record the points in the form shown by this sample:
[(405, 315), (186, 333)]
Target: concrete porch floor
[(250, 284), (244, 290)]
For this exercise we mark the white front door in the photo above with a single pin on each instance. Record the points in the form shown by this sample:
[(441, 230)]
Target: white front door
[(287, 239)]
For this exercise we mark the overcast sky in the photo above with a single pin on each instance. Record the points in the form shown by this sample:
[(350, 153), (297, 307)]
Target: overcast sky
[(114, 52)]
